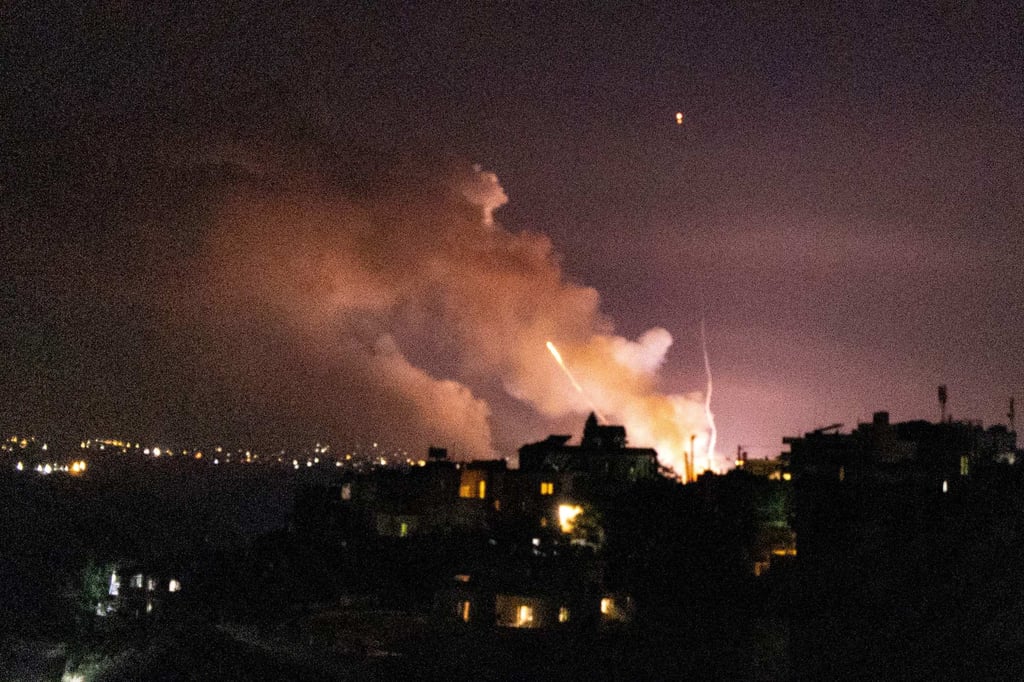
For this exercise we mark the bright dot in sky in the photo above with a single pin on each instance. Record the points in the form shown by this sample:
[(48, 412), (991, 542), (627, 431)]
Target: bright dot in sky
[(679, 118)]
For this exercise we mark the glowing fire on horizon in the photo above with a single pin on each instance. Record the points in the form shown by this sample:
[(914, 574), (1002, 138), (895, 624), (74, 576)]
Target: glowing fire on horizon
[(688, 449), (309, 263)]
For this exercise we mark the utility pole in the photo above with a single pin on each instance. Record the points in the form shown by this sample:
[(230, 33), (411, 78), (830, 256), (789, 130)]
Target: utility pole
[(942, 403)]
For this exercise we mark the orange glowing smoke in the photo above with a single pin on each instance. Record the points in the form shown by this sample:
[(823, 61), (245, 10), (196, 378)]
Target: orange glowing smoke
[(346, 286)]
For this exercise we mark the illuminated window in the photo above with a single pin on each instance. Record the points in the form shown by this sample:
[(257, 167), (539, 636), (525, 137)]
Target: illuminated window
[(607, 604), (524, 616), (563, 614), (547, 488), (174, 586), (115, 584), (346, 491), (150, 584), (403, 530), (481, 490), (945, 486), (464, 611), (149, 607), (137, 581), (842, 473), (465, 490), (964, 465), (567, 514)]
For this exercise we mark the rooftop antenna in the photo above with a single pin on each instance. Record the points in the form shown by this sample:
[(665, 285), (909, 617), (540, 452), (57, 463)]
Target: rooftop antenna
[(1011, 415), (942, 403)]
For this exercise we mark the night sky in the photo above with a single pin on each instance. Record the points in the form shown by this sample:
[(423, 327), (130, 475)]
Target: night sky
[(267, 228)]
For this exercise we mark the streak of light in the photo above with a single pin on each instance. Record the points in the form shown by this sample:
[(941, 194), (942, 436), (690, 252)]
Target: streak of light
[(572, 379), (713, 435)]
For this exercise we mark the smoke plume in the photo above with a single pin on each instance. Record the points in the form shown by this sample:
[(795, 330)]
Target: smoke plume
[(412, 299)]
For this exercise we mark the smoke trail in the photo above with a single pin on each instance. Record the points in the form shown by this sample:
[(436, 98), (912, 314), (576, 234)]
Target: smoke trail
[(712, 430)]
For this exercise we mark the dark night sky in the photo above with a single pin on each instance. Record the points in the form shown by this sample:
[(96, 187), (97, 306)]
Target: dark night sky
[(843, 204)]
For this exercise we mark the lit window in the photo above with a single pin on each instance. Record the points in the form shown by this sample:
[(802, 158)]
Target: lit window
[(150, 584), (964, 465), (567, 514), (403, 529), (481, 490), (524, 616), (137, 581), (174, 586), (115, 584), (464, 611), (547, 488), (563, 614), (346, 491), (607, 604), (945, 486), (465, 490)]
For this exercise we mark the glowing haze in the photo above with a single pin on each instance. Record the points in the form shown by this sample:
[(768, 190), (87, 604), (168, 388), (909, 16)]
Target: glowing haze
[(366, 287)]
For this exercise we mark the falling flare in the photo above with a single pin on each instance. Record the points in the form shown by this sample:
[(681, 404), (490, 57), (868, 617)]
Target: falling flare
[(572, 379), (713, 431)]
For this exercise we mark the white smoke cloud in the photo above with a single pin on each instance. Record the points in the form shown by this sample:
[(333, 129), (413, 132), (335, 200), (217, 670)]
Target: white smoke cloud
[(366, 284), (482, 189)]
